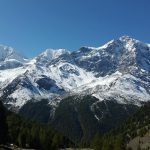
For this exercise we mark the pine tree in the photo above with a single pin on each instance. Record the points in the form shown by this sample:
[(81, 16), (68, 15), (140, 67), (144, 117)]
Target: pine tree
[(3, 125), (22, 138), (97, 142)]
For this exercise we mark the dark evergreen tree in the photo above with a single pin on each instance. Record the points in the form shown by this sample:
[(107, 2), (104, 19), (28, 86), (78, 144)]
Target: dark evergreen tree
[(97, 142), (3, 124)]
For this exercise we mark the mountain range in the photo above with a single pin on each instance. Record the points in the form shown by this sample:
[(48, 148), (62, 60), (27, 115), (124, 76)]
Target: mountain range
[(90, 84)]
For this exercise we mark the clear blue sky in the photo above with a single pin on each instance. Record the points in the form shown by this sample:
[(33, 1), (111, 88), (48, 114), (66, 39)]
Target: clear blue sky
[(30, 26)]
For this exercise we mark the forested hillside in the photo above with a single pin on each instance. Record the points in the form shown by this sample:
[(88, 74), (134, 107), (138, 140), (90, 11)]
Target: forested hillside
[(79, 117), (137, 127), (16, 130)]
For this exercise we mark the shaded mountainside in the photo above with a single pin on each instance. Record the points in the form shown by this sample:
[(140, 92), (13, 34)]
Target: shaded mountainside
[(137, 129), (37, 111), (133, 134), (79, 118), (14, 129)]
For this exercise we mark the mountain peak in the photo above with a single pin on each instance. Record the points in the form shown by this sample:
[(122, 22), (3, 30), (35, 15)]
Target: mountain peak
[(50, 54), (126, 38), (54, 53), (8, 53)]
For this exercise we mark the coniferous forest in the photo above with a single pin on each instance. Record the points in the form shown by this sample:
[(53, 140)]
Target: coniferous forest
[(28, 134), (24, 133), (137, 125)]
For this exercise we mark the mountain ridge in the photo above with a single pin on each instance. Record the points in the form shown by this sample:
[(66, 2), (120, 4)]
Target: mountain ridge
[(118, 70)]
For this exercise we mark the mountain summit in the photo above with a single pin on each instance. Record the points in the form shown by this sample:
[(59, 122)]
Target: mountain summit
[(7, 53), (9, 58), (50, 54)]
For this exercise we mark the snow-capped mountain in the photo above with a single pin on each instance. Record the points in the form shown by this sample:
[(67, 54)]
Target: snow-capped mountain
[(122, 69), (124, 55), (8, 53), (50, 54), (9, 58), (118, 70)]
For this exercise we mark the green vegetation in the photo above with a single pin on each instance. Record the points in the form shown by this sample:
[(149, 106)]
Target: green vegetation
[(14, 129), (36, 111), (78, 118), (82, 121), (3, 124), (136, 125), (108, 142), (74, 118)]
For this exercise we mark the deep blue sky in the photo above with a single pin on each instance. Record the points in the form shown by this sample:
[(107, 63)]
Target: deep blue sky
[(30, 26)]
